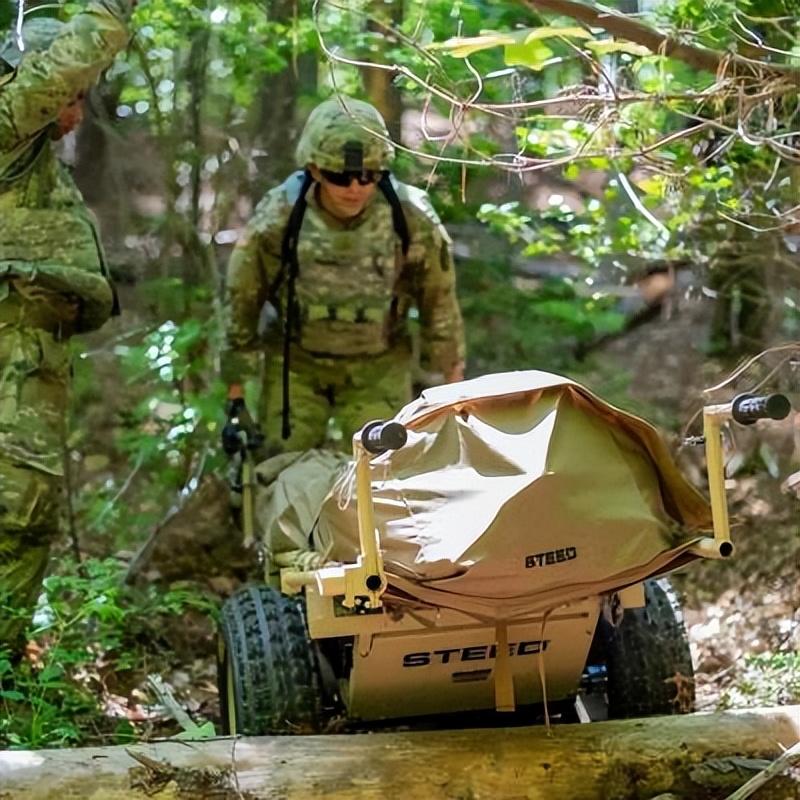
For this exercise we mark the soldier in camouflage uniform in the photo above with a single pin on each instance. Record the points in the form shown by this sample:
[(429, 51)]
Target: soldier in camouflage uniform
[(368, 250), (53, 282), (738, 274)]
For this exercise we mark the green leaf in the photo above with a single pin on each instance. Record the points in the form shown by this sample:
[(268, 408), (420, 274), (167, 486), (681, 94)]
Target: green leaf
[(652, 185), (462, 47), (533, 55), (204, 731), (548, 32), (11, 694), (50, 673), (603, 47)]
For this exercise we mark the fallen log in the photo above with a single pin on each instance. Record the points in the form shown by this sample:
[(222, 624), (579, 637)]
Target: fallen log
[(693, 757)]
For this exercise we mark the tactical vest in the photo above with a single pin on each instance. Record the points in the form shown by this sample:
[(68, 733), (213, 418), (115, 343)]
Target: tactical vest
[(345, 279), (339, 296)]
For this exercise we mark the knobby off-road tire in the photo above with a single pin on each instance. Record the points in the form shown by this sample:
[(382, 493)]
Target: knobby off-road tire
[(267, 673), (648, 661)]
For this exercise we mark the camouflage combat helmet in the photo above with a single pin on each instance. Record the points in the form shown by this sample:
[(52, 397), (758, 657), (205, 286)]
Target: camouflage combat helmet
[(337, 137), (37, 35)]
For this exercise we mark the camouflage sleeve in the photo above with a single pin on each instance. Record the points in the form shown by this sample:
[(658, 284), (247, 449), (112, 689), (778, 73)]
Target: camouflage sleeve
[(48, 81), (442, 328), (253, 266)]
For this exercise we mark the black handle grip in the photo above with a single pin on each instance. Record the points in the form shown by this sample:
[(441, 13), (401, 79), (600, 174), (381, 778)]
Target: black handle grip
[(747, 408), (379, 437)]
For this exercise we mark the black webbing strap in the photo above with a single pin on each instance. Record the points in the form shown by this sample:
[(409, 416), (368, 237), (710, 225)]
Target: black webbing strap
[(398, 217), (290, 269)]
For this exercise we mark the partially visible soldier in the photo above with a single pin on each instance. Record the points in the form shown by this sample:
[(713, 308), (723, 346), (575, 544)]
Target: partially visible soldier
[(53, 282), (343, 252), (739, 270)]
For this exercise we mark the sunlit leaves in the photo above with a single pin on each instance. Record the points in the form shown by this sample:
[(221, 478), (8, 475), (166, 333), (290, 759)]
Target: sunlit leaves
[(604, 47), (526, 47), (533, 55), (462, 47)]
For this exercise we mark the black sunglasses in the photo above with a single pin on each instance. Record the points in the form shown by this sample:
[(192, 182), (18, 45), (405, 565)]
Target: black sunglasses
[(364, 177)]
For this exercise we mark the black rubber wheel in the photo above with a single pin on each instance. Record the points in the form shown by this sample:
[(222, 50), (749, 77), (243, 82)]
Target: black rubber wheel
[(267, 670), (648, 661)]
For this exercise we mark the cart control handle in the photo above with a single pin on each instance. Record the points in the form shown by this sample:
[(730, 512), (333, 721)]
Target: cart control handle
[(379, 437), (747, 408)]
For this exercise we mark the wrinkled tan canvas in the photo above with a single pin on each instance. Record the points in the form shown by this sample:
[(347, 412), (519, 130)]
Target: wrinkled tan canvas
[(291, 488), (518, 492)]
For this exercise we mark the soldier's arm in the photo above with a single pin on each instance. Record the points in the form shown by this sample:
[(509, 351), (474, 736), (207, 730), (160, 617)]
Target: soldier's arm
[(253, 266), (46, 82), (442, 345)]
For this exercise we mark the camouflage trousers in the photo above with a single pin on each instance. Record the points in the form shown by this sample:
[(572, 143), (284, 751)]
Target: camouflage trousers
[(338, 394), (34, 376)]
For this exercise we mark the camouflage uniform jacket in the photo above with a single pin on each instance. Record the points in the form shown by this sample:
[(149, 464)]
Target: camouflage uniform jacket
[(46, 232), (355, 288)]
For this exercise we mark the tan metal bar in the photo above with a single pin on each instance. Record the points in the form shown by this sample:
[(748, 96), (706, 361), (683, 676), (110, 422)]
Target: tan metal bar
[(503, 679), (713, 417)]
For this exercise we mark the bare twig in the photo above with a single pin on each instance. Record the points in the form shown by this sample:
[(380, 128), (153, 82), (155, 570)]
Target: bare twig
[(188, 490), (740, 370), (786, 760), (124, 488)]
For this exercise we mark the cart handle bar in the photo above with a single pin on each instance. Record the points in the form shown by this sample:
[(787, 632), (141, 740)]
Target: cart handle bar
[(379, 437), (747, 408)]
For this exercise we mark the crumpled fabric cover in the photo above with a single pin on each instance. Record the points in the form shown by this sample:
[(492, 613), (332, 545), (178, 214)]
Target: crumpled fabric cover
[(290, 490), (518, 492)]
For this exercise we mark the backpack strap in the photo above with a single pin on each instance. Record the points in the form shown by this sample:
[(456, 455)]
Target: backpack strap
[(398, 216), (291, 268)]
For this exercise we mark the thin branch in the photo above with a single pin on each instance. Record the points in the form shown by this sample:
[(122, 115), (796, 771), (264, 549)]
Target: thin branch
[(639, 206), (188, 491), (748, 226), (740, 370), (766, 48), (122, 490), (786, 760)]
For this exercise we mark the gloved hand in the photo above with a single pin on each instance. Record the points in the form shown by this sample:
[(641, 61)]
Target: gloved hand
[(231, 439), (240, 422)]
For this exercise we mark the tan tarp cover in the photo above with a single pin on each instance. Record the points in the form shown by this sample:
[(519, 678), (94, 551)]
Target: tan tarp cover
[(290, 491), (516, 492)]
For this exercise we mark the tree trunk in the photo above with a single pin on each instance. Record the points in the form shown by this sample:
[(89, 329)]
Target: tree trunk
[(275, 113), (694, 757), (382, 93)]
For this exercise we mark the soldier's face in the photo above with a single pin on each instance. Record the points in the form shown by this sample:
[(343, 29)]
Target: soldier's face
[(344, 202), (69, 118)]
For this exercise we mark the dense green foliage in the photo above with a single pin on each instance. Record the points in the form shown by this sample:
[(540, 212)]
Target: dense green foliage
[(90, 638)]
